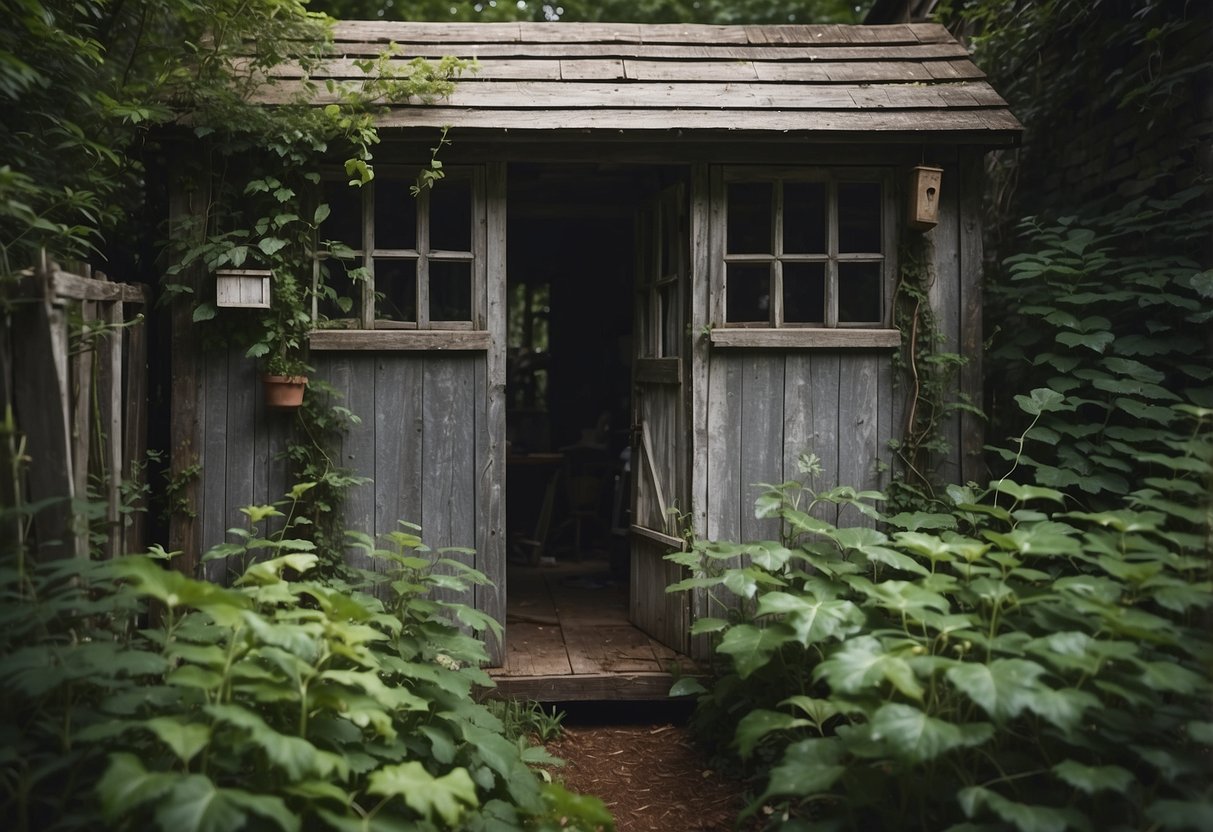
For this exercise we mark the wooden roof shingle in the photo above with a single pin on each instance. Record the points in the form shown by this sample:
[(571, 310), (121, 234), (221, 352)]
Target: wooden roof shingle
[(906, 79)]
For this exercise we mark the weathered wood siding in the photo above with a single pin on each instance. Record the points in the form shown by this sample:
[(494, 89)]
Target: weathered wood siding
[(422, 443), (765, 407)]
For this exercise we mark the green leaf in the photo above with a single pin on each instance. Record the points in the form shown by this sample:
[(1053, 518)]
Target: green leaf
[(203, 312), (1195, 815), (1091, 779), (912, 735), (752, 647), (812, 620), (297, 757), (808, 767), (271, 245), (862, 665), (195, 805), (818, 710), (1022, 816), (1002, 689), (687, 686), (446, 797), (755, 725), (127, 785), (708, 625), (186, 739), (1041, 400)]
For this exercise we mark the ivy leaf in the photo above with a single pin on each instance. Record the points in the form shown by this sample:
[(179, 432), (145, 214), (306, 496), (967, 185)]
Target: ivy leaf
[(297, 757), (687, 686), (812, 620), (1041, 400), (708, 625), (127, 785), (271, 245), (1022, 816), (185, 739), (1091, 779), (322, 213), (912, 735), (1002, 689), (195, 805), (818, 710), (863, 664), (757, 724), (752, 647), (808, 767), (446, 796), (203, 312)]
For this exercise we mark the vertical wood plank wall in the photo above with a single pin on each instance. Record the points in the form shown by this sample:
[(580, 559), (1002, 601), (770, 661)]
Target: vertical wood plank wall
[(420, 416), (766, 406)]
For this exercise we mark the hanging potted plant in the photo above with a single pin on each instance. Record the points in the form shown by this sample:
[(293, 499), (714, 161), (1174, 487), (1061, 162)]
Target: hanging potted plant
[(285, 327)]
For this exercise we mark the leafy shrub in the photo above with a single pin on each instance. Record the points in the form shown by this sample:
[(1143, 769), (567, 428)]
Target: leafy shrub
[(279, 703), (1006, 664)]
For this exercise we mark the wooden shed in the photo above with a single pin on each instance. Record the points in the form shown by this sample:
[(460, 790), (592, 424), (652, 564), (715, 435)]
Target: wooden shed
[(679, 240)]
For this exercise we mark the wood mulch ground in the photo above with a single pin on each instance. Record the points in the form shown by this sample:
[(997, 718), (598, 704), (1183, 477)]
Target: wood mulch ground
[(650, 774)]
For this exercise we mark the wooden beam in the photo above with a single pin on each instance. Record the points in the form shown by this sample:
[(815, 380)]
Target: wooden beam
[(399, 339), (658, 370), (804, 338)]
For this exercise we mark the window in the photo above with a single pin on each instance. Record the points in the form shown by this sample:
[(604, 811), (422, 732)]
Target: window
[(806, 250), (662, 265), (417, 262)]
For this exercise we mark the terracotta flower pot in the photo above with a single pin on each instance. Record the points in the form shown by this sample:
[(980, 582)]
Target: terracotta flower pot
[(283, 392)]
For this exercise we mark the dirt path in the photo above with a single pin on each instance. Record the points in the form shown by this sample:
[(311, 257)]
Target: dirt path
[(651, 776)]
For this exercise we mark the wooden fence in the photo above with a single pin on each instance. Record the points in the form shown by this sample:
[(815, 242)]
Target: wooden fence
[(73, 386)]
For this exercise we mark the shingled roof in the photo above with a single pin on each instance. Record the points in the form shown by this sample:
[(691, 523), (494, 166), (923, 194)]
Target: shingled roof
[(909, 79)]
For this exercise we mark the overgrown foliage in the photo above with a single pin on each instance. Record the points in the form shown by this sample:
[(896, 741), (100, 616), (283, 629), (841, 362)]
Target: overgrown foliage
[(283, 702), (1012, 663)]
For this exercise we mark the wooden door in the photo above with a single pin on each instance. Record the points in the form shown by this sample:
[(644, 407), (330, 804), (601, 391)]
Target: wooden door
[(660, 447)]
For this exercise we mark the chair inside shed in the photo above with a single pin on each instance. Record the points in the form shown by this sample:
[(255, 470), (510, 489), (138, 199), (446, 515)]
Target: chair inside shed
[(572, 259)]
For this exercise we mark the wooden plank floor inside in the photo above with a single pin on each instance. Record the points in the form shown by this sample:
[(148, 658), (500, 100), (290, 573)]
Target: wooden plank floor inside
[(568, 639)]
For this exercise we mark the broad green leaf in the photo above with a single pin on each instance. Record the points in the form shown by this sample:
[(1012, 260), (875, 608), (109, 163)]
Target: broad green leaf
[(903, 597), (862, 664), (1171, 677), (271, 245), (687, 686), (818, 710), (708, 625), (808, 767), (1063, 708), (445, 797), (127, 785), (186, 739), (912, 735), (1195, 815), (752, 647), (1022, 816), (1041, 400), (759, 722), (1002, 688), (812, 620), (297, 757), (195, 805), (1091, 779)]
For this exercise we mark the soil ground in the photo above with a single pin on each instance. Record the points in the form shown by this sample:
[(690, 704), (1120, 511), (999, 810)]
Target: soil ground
[(641, 762)]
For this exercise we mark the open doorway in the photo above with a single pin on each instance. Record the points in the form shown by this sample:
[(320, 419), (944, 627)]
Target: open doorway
[(575, 240)]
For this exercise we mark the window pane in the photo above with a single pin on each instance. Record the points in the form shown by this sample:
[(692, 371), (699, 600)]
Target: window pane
[(749, 207), (451, 217), (336, 292), (804, 218), (395, 290), (395, 215), (344, 222), (450, 291), (671, 319), (859, 217), (860, 299), (748, 293), (804, 293)]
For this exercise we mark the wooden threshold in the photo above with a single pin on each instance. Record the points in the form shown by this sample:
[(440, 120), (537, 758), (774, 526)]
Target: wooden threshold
[(568, 639)]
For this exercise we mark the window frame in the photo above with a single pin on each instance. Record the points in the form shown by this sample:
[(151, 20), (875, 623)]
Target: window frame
[(363, 330), (775, 331)]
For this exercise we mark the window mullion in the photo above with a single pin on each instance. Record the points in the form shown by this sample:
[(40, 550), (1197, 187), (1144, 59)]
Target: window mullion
[(423, 260), (777, 264), (831, 299), (367, 310)]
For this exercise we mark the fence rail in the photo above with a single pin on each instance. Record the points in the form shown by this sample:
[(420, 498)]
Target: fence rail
[(74, 388)]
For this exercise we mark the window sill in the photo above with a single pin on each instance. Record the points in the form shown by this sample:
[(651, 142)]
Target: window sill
[(805, 338), (398, 339)]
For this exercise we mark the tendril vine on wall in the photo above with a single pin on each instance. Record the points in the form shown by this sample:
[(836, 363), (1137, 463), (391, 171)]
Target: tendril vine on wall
[(929, 372)]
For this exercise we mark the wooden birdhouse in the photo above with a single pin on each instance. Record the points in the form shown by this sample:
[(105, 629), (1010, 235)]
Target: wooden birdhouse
[(923, 212), (243, 288)]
